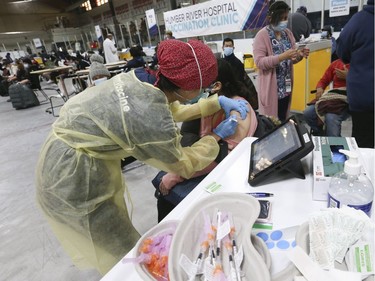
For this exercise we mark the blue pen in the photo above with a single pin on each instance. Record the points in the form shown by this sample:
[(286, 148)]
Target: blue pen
[(261, 194)]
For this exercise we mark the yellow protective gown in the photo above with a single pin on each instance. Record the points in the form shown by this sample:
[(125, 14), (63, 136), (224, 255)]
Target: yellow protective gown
[(79, 182)]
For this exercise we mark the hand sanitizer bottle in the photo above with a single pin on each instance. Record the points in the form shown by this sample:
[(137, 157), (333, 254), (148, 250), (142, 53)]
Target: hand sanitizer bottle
[(351, 187)]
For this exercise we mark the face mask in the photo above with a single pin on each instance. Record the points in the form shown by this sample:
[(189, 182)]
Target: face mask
[(99, 81), (281, 26), (209, 90), (228, 51), (324, 34), (202, 95)]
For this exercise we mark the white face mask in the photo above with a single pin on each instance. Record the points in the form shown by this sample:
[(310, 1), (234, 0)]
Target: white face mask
[(99, 81)]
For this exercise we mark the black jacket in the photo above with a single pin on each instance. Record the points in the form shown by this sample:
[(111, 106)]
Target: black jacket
[(237, 67)]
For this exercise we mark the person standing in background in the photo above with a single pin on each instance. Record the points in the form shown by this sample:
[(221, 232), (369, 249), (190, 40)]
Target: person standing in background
[(356, 46), (275, 53), (237, 65), (110, 50), (299, 24)]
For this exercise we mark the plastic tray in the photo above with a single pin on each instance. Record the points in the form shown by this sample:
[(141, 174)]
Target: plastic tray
[(245, 210)]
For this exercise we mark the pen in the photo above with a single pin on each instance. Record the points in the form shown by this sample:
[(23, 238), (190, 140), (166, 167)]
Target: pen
[(261, 194)]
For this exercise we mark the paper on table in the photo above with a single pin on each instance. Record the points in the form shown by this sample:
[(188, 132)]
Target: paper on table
[(338, 274), (344, 275), (310, 270)]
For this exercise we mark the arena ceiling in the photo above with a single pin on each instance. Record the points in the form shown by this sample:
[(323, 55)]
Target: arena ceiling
[(19, 7)]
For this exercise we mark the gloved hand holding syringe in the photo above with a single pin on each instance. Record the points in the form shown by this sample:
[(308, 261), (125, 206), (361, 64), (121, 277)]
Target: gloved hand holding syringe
[(227, 127)]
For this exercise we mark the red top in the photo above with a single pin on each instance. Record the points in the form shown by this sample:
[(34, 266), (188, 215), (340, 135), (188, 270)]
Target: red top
[(330, 75)]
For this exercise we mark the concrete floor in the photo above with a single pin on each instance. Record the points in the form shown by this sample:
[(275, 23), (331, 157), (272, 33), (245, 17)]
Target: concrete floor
[(29, 250)]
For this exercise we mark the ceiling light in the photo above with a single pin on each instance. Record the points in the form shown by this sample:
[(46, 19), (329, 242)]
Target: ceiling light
[(20, 2), (13, 32)]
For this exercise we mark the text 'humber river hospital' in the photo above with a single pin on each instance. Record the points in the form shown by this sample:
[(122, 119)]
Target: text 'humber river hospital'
[(217, 15)]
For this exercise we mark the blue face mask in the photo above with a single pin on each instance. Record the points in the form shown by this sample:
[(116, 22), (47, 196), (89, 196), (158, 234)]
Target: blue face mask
[(324, 34), (228, 51), (202, 95), (281, 26)]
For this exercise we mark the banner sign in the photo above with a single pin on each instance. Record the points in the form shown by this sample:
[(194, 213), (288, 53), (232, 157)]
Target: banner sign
[(151, 22), (216, 16), (37, 43), (99, 34), (339, 8)]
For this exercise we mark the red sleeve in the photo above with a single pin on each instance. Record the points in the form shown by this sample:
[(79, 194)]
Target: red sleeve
[(327, 76)]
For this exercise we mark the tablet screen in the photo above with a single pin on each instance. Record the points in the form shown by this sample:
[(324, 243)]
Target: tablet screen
[(274, 147)]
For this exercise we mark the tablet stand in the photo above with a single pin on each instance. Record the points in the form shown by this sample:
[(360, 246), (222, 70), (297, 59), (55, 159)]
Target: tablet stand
[(295, 168)]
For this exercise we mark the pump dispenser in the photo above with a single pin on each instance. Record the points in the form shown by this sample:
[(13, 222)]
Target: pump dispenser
[(351, 187), (351, 166)]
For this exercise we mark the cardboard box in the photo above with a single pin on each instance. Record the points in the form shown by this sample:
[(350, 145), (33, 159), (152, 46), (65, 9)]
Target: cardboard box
[(327, 161)]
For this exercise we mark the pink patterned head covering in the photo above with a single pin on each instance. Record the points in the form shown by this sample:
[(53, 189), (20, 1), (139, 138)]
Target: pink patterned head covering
[(189, 66)]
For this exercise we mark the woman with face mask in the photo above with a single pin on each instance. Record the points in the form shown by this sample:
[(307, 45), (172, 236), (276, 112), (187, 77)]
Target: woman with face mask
[(80, 186), (275, 52)]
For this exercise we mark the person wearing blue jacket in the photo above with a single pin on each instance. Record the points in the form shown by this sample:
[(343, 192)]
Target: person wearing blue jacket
[(356, 46)]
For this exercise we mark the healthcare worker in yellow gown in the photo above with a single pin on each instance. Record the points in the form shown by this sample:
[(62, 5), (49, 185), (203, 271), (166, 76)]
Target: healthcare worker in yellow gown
[(80, 186)]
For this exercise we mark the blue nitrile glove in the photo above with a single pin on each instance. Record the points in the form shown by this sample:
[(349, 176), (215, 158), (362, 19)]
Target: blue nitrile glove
[(230, 104), (227, 127)]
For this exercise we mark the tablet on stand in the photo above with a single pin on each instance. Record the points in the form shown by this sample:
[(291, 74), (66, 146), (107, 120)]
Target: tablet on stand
[(281, 149)]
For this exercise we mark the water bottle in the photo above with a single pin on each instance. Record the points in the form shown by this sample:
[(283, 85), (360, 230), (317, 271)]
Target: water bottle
[(351, 187)]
